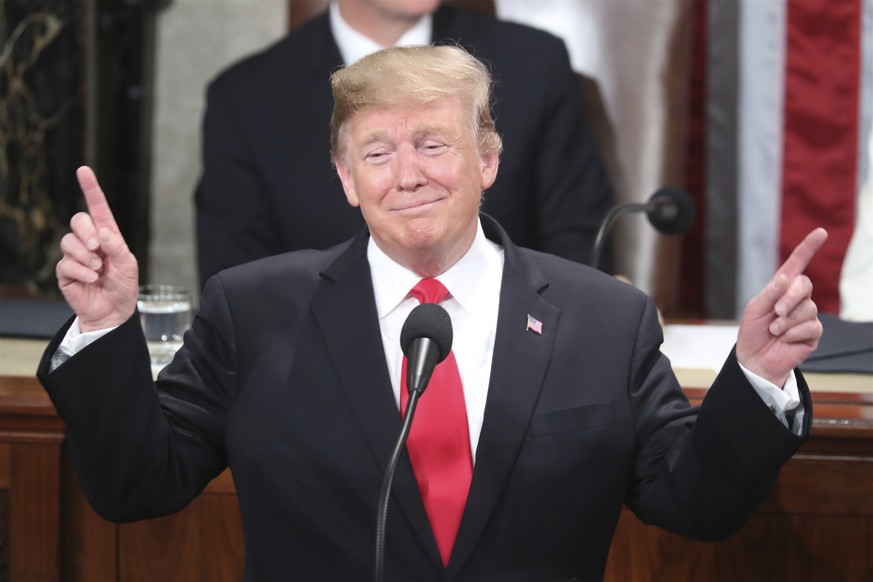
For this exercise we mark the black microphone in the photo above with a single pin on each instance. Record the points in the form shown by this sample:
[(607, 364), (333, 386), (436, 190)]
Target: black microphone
[(426, 340), (670, 210)]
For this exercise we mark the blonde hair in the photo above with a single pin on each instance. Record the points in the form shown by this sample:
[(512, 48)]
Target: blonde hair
[(413, 74)]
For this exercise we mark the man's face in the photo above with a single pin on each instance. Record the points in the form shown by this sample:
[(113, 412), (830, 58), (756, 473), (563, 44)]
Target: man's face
[(417, 175)]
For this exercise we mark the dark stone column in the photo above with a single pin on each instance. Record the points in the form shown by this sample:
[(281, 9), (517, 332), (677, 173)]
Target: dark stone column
[(41, 134), (75, 88)]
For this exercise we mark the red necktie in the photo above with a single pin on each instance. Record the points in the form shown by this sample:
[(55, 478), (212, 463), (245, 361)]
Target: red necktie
[(439, 439)]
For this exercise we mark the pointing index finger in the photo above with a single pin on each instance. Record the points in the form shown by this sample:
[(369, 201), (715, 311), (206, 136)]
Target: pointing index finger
[(98, 208), (802, 254)]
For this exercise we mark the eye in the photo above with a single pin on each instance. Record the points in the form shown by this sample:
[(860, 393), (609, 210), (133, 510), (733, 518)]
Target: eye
[(376, 157), (433, 147)]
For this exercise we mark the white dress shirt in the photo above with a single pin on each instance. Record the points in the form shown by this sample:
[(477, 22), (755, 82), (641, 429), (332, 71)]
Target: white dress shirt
[(353, 45), (474, 287)]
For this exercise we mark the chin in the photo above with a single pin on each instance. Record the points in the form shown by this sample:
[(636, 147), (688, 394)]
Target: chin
[(418, 8), (421, 239)]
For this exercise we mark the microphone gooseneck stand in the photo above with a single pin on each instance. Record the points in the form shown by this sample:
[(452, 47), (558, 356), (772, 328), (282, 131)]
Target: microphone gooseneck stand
[(605, 226), (382, 513), (426, 340), (670, 210)]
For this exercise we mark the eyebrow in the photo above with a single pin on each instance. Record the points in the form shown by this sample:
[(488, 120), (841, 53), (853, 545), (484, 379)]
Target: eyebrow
[(434, 129), (423, 131), (374, 136)]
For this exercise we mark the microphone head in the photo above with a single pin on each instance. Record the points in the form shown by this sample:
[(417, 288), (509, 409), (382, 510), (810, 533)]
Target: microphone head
[(431, 321), (670, 210)]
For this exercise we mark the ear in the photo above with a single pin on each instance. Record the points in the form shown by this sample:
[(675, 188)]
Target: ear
[(345, 177), (488, 169)]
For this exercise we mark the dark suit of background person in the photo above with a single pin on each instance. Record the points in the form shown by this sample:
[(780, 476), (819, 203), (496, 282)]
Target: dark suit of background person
[(268, 185), (580, 419)]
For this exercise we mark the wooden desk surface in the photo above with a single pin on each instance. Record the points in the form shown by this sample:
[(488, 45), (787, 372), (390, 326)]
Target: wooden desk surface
[(818, 382), (19, 357)]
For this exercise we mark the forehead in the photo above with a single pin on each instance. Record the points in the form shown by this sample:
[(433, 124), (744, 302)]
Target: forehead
[(444, 115)]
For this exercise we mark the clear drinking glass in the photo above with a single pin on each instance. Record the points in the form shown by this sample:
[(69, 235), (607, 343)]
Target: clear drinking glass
[(165, 313)]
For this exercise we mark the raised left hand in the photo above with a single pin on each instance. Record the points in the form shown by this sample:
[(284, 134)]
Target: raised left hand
[(779, 328)]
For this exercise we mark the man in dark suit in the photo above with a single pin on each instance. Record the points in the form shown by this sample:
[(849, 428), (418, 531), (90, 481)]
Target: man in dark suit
[(291, 373), (268, 186)]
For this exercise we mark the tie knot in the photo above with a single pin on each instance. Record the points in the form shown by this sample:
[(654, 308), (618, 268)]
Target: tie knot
[(429, 291)]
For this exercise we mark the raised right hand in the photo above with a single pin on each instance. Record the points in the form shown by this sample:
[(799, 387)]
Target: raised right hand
[(98, 274)]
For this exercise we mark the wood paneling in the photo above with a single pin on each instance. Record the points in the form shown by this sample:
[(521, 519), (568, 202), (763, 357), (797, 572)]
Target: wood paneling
[(31, 436), (35, 510), (769, 547), (817, 524), (204, 542), (90, 543)]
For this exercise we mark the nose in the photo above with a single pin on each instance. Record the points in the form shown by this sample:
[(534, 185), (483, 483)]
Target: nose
[(409, 173)]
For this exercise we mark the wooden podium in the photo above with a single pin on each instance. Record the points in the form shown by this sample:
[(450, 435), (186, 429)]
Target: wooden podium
[(817, 523)]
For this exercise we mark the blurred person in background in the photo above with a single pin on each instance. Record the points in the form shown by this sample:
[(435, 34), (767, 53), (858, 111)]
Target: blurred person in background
[(268, 186)]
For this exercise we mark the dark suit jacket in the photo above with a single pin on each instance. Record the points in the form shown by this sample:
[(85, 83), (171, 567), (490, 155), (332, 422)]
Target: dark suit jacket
[(268, 185), (283, 377)]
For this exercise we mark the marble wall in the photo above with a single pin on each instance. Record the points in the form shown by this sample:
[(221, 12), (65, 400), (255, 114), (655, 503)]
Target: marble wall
[(195, 40)]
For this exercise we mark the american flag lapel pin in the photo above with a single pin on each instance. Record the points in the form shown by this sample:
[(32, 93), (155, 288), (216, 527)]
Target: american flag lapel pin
[(534, 325)]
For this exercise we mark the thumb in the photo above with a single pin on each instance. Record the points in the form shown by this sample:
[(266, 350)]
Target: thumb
[(116, 254), (114, 246)]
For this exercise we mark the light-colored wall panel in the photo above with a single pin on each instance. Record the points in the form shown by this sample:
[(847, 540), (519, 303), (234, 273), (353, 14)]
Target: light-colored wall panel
[(195, 40)]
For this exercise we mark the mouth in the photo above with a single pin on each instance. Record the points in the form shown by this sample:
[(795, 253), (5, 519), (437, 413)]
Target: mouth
[(417, 205)]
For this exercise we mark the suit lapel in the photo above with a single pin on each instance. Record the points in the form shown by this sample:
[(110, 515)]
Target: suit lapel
[(519, 364), (345, 309)]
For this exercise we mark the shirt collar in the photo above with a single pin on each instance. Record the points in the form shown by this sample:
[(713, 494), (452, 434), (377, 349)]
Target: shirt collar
[(353, 45), (472, 281)]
